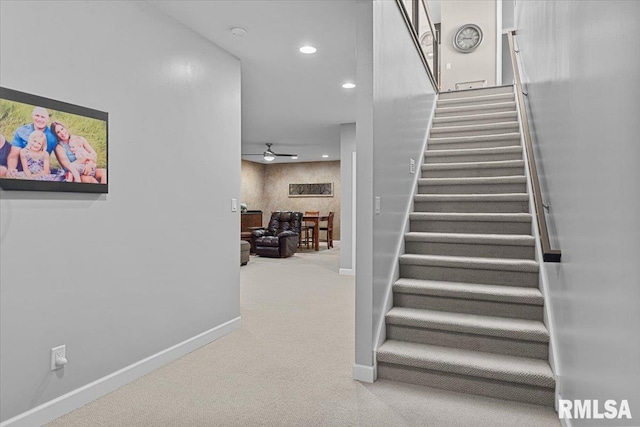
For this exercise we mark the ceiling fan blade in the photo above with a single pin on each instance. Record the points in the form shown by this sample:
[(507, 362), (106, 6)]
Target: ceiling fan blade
[(285, 155), (260, 154)]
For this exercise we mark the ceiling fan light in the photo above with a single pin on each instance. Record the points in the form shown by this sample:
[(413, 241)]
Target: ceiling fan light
[(268, 156)]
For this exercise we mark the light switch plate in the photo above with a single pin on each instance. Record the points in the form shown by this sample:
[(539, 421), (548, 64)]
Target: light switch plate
[(377, 205), (412, 166), (234, 205)]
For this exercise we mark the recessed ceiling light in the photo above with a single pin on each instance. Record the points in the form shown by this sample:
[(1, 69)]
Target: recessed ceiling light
[(308, 49), (238, 31), (325, 155), (348, 85)]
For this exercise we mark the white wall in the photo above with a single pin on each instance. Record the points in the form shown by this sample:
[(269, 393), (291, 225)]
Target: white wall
[(395, 100), (347, 148), (122, 276), (582, 73), (479, 64)]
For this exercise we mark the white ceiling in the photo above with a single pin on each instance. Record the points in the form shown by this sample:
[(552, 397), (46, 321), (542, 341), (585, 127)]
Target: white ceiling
[(293, 100)]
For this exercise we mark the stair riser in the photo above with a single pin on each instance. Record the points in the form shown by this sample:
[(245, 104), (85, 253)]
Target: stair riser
[(488, 344), (471, 172), (476, 92), (475, 110), (469, 306), (469, 275), (479, 99), (489, 143), (472, 189), (471, 207), (438, 133), (468, 384), (476, 250), (488, 227), (470, 158)]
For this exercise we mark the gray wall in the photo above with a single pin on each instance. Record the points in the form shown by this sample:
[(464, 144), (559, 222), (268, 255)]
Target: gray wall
[(479, 64), (395, 101), (583, 77), (347, 148), (119, 277)]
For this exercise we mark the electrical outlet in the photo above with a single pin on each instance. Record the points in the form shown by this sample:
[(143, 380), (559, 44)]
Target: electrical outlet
[(58, 357), (412, 166)]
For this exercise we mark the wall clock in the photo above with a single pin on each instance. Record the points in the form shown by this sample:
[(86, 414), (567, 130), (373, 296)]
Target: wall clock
[(426, 42), (468, 38)]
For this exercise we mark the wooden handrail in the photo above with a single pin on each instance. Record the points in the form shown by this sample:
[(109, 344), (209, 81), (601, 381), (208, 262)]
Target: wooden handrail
[(416, 41), (548, 254)]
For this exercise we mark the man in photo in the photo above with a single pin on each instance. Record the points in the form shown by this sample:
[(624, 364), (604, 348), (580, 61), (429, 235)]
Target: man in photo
[(40, 118)]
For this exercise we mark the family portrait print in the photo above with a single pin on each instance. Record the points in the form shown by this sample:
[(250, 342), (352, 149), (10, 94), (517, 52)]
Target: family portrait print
[(44, 144)]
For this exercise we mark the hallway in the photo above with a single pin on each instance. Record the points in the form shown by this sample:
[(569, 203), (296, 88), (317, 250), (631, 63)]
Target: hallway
[(290, 365)]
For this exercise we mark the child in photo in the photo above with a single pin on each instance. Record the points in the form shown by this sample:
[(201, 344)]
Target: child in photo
[(35, 159), (86, 157)]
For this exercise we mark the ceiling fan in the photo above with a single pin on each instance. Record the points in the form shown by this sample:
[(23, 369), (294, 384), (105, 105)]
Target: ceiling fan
[(269, 155)]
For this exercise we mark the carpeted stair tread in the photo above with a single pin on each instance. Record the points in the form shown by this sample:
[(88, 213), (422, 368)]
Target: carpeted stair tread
[(501, 327), (477, 99), (481, 217), (473, 151), (476, 138), (521, 370), (474, 165), (509, 197), (473, 291), (483, 117), (471, 239), (444, 111), (474, 180), (500, 264), (475, 127)]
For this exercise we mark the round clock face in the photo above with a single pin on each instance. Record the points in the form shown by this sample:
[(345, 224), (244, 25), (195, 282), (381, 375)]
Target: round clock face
[(468, 38), (426, 41)]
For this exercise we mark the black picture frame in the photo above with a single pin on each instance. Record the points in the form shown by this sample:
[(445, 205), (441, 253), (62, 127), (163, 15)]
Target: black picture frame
[(55, 105)]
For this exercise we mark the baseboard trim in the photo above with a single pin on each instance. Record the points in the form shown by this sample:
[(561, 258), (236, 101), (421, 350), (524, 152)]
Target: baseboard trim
[(66, 403), (364, 373), (347, 271)]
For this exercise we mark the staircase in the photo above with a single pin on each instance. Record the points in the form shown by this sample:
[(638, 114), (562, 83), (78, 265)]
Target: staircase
[(467, 312)]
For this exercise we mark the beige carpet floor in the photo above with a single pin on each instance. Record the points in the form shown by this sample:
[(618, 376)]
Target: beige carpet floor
[(290, 364)]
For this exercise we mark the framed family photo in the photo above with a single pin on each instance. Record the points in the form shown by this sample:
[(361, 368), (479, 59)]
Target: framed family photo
[(50, 145)]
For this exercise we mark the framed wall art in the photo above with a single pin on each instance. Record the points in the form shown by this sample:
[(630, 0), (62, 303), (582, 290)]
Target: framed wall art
[(50, 145), (311, 190)]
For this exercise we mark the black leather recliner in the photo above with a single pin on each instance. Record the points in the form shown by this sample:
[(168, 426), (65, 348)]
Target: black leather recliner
[(280, 238)]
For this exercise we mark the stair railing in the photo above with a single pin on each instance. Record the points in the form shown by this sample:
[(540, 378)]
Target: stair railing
[(424, 35), (548, 254)]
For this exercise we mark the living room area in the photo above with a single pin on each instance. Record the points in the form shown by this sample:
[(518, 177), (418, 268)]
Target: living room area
[(311, 188)]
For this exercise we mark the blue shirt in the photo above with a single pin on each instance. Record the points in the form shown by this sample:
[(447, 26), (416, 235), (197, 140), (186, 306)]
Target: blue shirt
[(21, 137)]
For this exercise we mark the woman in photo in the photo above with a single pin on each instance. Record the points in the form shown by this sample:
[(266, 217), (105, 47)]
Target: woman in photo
[(77, 156)]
